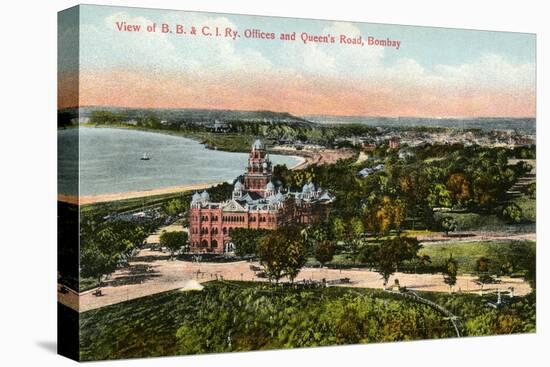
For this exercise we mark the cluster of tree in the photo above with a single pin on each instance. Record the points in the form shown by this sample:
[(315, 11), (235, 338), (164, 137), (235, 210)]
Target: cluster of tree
[(106, 245), (282, 253), (383, 215), (247, 241), (404, 194), (105, 117), (173, 241), (390, 254), (101, 117), (248, 320)]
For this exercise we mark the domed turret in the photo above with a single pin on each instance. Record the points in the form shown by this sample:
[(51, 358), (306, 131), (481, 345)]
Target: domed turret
[(196, 197), (258, 144), (237, 190), (270, 189), (306, 188), (205, 197)]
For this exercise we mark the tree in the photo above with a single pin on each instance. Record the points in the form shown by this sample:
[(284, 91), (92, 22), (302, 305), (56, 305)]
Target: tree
[(532, 190), (106, 245), (246, 240), (313, 235), (282, 253), (448, 224), (173, 207), (482, 270), (459, 188), (96, 263), (173, 241), (105, 117), (439, 196), (512, 213), (450, 272), (338, 228), (384, 216), (324, 251), (393, 252), (368, 253)]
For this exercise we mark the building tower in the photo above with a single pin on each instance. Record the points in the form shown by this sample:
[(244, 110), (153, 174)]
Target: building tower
[(259, 170)]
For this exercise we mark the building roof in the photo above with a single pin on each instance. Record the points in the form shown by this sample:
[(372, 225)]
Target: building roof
[(258, 144)]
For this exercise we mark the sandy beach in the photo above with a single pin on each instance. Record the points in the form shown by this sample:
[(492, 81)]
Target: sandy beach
[(317, 157), (90, 199)]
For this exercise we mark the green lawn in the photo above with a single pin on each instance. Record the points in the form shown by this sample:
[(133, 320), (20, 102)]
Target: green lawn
[(240, 316), (528, 207), (519, 253)]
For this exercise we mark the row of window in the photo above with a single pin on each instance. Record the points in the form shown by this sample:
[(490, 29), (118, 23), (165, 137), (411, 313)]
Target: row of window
[(204, 243), (233, 219)]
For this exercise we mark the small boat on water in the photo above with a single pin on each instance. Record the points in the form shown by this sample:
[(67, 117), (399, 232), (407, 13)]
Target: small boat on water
[(145, 157)]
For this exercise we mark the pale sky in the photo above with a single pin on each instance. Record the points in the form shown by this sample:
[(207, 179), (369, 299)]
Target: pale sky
[(436, 72)]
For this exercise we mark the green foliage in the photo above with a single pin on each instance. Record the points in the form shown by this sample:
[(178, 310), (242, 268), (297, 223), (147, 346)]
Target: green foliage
[(252, 319), (241, 316), (324, 251), (175, 207), (439, 196), (386, 215), (282, 253), (100, 117), (174, 241), (450, 273), (393, 252), (459, 188), (448, 224), (512, 213), (532, 190), (517, 253), (104, 245), (247, 240), (482, 270)]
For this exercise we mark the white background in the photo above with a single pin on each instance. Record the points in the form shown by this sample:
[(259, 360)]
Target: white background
[(28, 183)]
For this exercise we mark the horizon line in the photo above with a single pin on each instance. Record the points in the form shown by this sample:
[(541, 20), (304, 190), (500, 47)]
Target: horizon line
[(299, 115)]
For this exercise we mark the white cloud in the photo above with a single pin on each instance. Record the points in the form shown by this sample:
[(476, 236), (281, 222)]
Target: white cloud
[(363, 67)]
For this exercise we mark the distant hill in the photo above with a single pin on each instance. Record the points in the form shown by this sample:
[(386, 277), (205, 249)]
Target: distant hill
[(199, 115), (526, 125)]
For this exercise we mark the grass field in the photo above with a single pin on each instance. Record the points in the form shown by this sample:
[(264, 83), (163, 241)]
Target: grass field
[(518, 253), (528, 207), (237, 316)]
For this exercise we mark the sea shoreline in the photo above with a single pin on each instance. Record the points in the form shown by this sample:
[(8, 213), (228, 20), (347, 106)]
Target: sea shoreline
[(101, 198)]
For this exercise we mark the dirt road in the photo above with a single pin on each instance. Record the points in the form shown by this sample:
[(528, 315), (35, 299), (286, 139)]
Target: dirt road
[(153, 272)]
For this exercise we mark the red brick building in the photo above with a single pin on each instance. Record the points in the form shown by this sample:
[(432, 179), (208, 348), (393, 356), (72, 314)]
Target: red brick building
[(256, 202)]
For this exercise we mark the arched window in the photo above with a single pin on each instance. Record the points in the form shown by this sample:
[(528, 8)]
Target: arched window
[(204, 243), (214, 244), (224, 230)]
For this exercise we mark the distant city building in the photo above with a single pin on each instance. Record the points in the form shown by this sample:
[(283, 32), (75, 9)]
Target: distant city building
[(394, 142), (220, 126), (256, 203)]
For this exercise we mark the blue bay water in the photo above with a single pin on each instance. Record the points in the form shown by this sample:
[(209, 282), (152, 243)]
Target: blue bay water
[(110, 161)]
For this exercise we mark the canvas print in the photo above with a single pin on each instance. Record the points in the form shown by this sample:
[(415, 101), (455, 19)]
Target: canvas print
[(240, 183)]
